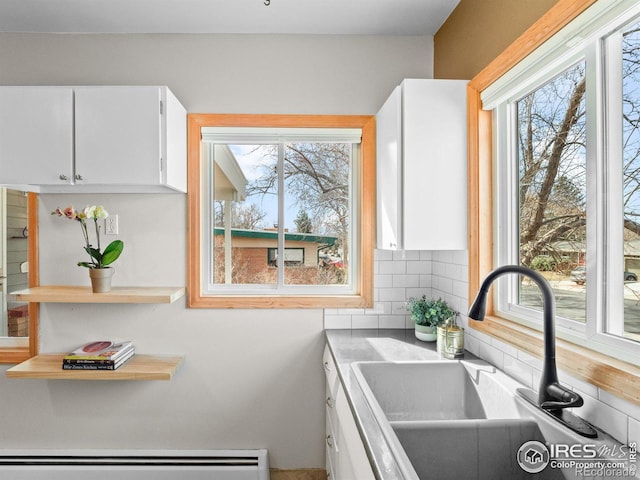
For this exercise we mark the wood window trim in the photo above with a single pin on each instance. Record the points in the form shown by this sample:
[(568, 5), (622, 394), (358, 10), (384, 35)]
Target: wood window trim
[(615, 376), (364, 296), (20, 354)]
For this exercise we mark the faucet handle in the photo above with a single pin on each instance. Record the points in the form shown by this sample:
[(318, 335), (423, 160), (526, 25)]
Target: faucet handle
[(562, 397)]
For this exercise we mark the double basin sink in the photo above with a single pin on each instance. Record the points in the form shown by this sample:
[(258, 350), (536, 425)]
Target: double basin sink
[(458, 419)]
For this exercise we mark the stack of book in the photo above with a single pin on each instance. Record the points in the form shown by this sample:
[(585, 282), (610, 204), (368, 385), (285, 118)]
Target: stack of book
[(101, 355)]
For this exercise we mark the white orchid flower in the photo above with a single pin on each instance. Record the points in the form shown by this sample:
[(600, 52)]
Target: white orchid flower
[(100, 212), (90, 211)]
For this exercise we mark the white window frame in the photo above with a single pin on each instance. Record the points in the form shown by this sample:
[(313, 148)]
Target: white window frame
[(279, 137), (581, 39)]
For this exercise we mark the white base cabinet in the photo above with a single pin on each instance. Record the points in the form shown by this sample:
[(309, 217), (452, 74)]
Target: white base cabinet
[(422, 166), (346, 458), (111, 139)]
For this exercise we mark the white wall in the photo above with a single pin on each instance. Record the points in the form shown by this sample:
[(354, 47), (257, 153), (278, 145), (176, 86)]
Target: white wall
[(251, 378)]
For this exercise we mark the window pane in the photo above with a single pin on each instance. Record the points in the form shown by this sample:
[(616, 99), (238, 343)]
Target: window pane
[(552, 191), (315, 215), (246, 213), (631, 177), (317, 210)]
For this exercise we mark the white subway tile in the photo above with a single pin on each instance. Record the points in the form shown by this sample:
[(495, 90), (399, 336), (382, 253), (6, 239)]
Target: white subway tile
[(443, 256), (452, 271), (383, 255), (472, 344), (406, 280), (392, 321), (439, 269), (406, 255), (398, 308), (492, 355), (443, 284), (392, 294), (364, 321), (505, 347), (417, 292), (529, 359), (460, 289), (393, 268), (634, 431), (419, 268), (382, 281), (426, 255), (518, 370), (460, 257), (379, 308), (612, 421), (577, 384), (621, 404), (337, 321)]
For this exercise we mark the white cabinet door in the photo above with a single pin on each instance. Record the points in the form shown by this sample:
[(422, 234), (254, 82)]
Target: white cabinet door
[(118, 135), (422, 200), (389, 185), (36, 135), (346, 458)]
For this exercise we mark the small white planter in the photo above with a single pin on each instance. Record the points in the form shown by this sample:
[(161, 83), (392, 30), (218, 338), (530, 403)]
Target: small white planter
[(426, 333)]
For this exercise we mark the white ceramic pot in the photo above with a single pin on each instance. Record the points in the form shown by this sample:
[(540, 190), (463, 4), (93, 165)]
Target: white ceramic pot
[(426, 333)]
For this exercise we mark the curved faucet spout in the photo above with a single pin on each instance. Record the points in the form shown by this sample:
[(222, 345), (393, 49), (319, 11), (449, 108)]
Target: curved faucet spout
[(547, 393), (553, 398)]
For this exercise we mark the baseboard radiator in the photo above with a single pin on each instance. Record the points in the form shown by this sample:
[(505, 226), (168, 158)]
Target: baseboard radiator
[(134, 464)]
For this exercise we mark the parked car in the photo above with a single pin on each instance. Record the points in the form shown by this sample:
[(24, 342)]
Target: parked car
[(579, 275)]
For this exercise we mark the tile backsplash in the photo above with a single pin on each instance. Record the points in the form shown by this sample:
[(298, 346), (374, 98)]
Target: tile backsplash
[(399, 275)]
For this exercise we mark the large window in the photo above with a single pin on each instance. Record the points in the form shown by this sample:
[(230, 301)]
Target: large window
[(566, 189), (567, 149), (284, 211)]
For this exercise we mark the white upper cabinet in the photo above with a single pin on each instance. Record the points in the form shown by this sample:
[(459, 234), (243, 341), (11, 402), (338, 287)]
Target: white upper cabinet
[(422, 167), (125, 139), (36, 135)]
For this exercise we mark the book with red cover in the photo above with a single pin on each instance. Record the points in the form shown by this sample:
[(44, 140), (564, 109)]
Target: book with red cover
[(100, 350)]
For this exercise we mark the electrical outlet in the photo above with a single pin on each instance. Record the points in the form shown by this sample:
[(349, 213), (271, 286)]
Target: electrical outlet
[(111, 225)]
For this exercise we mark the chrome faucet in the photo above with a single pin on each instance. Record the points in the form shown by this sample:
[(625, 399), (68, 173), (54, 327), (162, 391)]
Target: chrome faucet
[(553, 398)]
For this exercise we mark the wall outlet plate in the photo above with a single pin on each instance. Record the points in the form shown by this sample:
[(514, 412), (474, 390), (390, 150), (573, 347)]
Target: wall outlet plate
[(111, 225)]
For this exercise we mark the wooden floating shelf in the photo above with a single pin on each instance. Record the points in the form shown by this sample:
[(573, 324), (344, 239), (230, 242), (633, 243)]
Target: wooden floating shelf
[(66, 294), (139, 367)]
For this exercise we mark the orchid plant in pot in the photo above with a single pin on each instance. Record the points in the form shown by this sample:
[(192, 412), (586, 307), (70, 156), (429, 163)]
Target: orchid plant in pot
[(99, 270)]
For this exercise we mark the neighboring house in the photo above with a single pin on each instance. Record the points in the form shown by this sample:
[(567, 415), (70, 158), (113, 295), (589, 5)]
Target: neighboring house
[(254, 253)]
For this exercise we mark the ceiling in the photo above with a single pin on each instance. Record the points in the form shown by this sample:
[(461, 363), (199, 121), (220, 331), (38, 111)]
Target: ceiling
[(359, 17)]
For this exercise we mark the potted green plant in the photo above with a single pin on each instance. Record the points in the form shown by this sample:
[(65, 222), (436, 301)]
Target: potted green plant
[(427, 315)]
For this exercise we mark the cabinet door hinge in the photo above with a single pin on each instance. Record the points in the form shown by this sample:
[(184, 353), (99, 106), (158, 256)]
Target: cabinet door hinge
[(161, 107)]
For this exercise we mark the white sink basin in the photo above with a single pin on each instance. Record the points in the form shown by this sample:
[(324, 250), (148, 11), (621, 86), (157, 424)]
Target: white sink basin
[(457, 420), (437, 390)]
